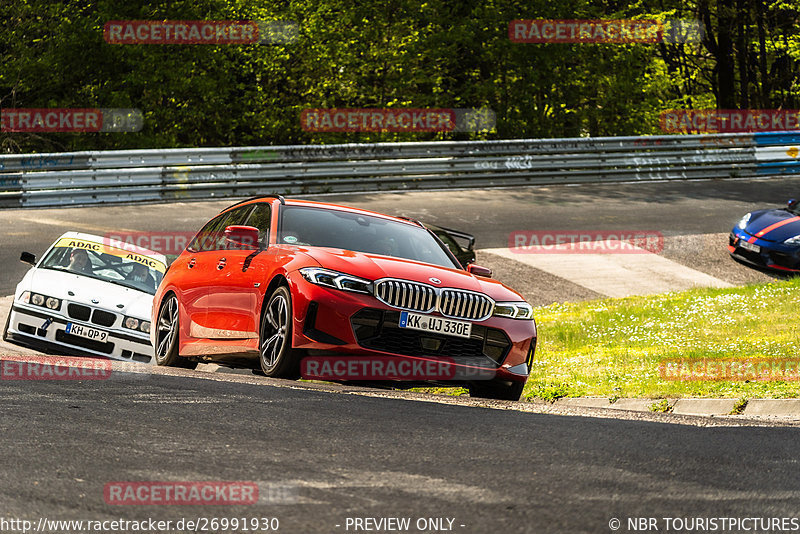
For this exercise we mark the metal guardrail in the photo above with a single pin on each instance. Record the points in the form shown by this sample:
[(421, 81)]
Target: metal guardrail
[(84, 178)]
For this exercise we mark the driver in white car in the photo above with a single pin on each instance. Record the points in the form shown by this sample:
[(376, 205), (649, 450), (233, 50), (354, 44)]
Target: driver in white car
[(79, 261), (141, 276)]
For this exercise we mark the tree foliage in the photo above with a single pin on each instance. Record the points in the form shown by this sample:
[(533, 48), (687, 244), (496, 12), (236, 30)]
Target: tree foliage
[(388, 53)]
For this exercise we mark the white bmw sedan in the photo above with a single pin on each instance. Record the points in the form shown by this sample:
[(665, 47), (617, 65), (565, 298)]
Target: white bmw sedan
[(87, 296)]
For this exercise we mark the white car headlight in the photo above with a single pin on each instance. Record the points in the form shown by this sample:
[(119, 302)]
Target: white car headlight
[(38, 299), (793, 240), (132, 323), (743, 222), (513, 310), (335, 280)]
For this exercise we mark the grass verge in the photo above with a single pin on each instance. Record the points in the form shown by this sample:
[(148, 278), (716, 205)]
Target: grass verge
[(613, 347)]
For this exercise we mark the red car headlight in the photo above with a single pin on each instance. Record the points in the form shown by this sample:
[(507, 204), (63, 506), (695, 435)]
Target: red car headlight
[(336, 280), (513, 310)]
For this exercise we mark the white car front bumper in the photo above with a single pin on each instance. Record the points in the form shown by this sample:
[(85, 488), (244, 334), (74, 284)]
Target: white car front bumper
[(41, 328)]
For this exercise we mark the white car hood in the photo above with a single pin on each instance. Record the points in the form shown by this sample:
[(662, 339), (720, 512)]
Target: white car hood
[(109, 296)]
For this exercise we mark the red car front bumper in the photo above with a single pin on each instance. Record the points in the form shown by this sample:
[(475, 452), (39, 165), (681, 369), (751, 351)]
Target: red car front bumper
[(335, 322)]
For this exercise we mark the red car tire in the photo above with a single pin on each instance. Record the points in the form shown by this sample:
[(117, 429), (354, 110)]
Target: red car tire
[(278, 358)]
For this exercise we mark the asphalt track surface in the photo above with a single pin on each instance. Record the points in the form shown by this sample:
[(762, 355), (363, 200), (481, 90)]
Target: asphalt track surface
[(694, 216), (339, 454), (350, 453)]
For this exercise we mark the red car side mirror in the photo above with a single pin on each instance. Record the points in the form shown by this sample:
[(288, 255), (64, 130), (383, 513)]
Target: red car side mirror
[(241, 237), (478, 270)]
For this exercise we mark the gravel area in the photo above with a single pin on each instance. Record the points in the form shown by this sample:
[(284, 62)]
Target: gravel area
[(708, 253)]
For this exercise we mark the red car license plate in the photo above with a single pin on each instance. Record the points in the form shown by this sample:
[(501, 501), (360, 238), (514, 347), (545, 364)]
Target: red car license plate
[(439, 325)]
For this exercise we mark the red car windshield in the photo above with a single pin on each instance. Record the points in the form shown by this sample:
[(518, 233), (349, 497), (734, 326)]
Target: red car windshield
[(319, 227)]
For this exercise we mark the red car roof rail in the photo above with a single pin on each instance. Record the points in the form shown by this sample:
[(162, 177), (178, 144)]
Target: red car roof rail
[(259, 197)]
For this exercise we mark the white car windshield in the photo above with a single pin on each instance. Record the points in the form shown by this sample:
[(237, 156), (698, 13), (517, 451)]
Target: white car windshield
[(105, 263)]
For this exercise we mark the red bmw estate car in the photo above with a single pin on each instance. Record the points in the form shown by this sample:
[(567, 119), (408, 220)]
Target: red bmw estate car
[(270, 282)]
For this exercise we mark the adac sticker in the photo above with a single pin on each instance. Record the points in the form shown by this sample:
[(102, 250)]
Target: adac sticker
[(114, 251)]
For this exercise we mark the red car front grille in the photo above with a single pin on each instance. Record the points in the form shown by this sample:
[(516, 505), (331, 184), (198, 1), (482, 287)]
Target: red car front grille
[(465, 305), (455, 303), (406, 295)]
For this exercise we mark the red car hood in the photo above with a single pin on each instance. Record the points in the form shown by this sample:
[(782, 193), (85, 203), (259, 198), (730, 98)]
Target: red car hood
[(373, 267)]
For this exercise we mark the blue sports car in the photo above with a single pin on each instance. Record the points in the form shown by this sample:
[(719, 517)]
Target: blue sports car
[(769, 238)]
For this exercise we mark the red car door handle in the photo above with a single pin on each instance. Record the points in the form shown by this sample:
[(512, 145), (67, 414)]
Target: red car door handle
[(221, 264), (191, 263)]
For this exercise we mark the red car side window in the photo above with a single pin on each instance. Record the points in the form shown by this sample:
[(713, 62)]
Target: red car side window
[(260, 218), (212, 237)]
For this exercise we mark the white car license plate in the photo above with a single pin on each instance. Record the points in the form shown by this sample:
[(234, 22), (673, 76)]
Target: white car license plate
[(85, 331), (749, 246), (440, 325)]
